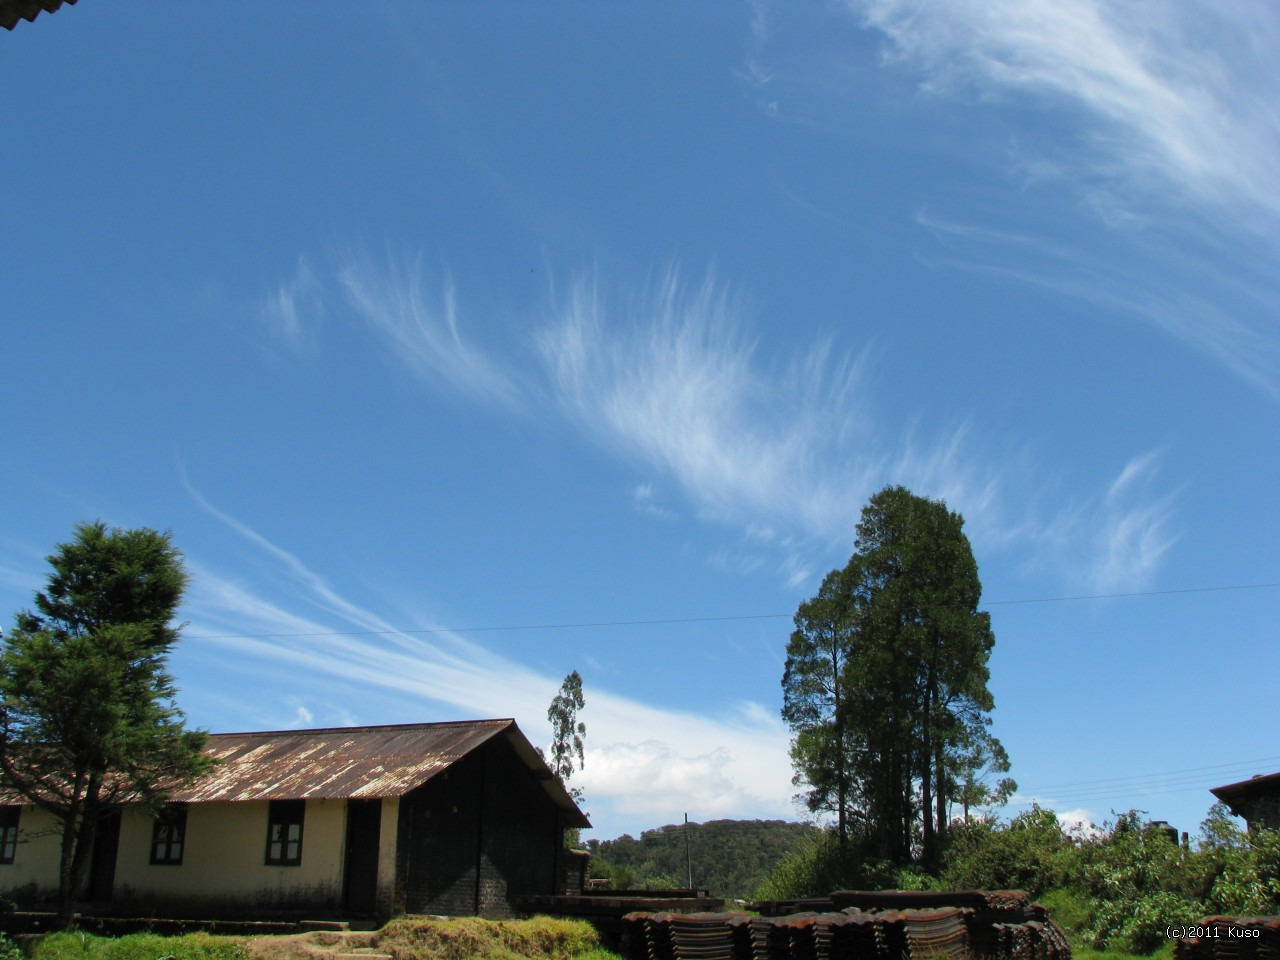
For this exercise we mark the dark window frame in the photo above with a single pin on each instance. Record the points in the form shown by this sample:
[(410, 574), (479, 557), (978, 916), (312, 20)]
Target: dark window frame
[(284, 832), (169, 836), (9, 819)]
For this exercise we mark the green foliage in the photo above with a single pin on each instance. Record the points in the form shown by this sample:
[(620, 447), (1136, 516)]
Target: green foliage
[(87, 715), (819, 863), (812, 869), (1030, 853), (1140, 882), (567, 731), (1118, 890), (730, 857), (1070, 910), (1240, 874), (885, 684), (473, 938), (10, 950), (136, 946)]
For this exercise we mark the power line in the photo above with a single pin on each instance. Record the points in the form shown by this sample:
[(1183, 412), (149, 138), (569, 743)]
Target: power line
[(425, 631), (1120, 782), (525, 626), (1144, 593)]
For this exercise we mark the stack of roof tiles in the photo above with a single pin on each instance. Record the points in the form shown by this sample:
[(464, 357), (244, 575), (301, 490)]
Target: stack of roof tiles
[(1232, 938), (862, 925)]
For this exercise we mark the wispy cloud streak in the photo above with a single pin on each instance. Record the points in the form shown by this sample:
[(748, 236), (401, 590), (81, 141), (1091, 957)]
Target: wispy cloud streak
[(671, 379), (422, 331), (1149, 183), (295, 307), (1117, 540), (640, 759), (1186, 91)]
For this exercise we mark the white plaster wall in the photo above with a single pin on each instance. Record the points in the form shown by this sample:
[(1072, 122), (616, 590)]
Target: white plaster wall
[(387, 855), (35, 860), (223, 857)]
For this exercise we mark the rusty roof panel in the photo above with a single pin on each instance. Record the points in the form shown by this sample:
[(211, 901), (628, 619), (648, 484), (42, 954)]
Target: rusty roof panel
[(356, 762), (11, 11)]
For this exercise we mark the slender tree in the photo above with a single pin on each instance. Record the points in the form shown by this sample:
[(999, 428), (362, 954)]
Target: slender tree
[(88, 722), (567, 732)]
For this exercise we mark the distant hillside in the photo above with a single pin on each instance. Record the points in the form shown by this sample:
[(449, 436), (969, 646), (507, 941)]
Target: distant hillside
[(730, 857)]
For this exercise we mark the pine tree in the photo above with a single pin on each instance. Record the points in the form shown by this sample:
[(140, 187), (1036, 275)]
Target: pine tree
[(88, 723)]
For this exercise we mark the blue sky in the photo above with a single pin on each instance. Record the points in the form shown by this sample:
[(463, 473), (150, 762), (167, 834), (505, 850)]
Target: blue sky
[(600, 323)]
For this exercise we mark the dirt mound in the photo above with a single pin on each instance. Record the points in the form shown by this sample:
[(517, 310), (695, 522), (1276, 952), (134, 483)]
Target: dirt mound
[(314, 945)]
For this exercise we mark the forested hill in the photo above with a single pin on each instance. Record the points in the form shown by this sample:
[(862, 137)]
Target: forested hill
[(730, 857)]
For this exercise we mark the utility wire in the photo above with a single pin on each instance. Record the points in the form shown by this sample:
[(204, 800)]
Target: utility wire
[(643, 623), (1135, 780)]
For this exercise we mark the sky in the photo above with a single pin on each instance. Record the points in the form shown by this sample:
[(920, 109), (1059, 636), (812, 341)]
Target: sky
[(461, 346)]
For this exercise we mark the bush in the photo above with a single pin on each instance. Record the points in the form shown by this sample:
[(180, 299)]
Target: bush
[(815, 867), (1030, 853), (1140, 881), (1240, 872), (136, 946)]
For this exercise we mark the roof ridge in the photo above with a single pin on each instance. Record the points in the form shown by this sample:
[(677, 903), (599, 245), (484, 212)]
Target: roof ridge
[(369, 728)]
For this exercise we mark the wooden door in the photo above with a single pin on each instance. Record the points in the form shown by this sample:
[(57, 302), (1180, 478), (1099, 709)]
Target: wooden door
[(360, 873)]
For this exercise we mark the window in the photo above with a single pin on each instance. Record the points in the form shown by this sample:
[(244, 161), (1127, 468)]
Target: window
[(169, 834), (284, 832), (9, 833)]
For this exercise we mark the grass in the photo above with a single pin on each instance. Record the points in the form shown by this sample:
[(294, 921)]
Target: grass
[(1088, 953), (1073, 913), (410, 938), (135, 946)]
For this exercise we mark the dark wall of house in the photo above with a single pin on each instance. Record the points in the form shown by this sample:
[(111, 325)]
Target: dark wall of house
[(1260, 810), (474, 838)]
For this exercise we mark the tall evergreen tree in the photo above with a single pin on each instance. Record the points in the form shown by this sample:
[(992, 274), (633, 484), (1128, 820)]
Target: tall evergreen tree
[(88, 722), (885, 687)]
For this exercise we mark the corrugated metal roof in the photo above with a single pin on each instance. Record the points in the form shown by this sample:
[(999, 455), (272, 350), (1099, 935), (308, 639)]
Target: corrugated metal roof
[(357, 762), (11, 11), (1260, 783), (362, 763)]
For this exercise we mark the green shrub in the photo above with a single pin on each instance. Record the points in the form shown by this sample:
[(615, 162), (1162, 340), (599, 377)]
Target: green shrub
[(136, 946), (1140, 882), (1240, 872), (1031, 852), (816, 866), (811, 869)]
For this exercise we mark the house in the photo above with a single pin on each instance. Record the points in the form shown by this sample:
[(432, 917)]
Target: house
[(1257, 800), (11, 11), (441, 818)]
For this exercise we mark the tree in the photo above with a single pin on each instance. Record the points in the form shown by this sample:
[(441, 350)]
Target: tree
[(88, 722), (567, 732), (885, 686), (814, 703)]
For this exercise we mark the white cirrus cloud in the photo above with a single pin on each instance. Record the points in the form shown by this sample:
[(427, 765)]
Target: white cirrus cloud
[(732, 765), (1116, 540), (294, 309), (786, 451), (1184, 92), (672, 380), (420, 327)]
